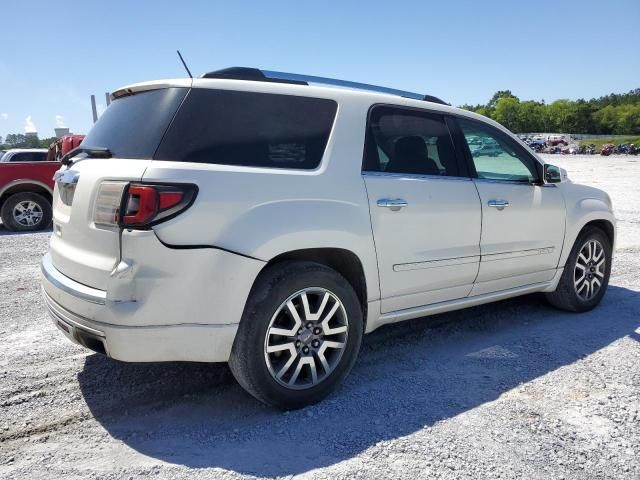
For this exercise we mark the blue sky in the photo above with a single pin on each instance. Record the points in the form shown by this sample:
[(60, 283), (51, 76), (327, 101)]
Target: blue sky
[(56, 53)]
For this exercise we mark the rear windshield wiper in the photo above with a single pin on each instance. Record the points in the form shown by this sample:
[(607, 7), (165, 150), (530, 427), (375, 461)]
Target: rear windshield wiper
[(94, 152)]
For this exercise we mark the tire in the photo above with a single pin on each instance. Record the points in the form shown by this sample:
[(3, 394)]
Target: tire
[(268, 309), (573, 295), (36, 212)]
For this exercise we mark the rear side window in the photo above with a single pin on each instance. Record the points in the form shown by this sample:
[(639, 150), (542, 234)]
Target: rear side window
[(132, 126), (249, 129), (29, 157), (407, 141)]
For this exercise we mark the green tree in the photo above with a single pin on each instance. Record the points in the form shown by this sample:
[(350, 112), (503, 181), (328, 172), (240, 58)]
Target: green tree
[(15, 139), (497, 96), (45, 142), (606, 119), (507, 113), (32, 141), (530, 117), (627, 119)]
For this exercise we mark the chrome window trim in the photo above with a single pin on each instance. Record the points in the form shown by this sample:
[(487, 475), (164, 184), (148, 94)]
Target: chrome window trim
[(417, 176), (513, 182)]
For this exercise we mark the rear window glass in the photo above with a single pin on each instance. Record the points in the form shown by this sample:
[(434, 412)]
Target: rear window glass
[(132, 126), (249, 129), (29, 157)]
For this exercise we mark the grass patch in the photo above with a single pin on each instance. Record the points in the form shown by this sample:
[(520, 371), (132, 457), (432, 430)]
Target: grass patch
[(599, 142)]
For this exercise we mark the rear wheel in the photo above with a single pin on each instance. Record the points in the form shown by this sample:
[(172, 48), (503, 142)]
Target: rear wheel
[(299, 335), (586, 273), (26, 211)]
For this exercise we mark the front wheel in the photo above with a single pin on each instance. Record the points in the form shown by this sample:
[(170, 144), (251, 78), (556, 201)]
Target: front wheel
[(586, 273), (299, 335)]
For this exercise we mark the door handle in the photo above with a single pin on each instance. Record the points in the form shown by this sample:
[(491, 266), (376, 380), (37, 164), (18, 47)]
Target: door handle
[(499, 204), (392, 203)]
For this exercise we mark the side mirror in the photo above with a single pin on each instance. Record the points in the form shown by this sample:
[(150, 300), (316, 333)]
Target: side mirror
[(552, 174)]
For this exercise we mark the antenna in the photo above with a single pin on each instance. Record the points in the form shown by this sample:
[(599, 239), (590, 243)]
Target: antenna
[(184, 63)]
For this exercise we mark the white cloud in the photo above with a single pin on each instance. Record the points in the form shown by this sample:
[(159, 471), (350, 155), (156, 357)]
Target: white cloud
[(4, 116), (29, 126), (60, 121)]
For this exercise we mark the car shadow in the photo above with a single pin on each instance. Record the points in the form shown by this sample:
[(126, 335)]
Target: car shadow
[(408, 377)]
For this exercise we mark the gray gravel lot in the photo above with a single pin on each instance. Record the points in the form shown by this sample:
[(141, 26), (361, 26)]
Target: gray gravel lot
[(509, 390)]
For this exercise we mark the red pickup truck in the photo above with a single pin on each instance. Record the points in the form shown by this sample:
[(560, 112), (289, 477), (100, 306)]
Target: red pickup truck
[(26, 184)]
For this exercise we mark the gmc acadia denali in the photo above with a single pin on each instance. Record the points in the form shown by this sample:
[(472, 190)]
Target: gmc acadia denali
[(269, 220)]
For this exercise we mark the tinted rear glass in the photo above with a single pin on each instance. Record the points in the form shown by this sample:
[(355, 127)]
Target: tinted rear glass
[(249, 129), (29, 157), (132, 126)]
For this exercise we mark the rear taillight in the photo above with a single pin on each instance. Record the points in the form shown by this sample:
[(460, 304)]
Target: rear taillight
[(135, 205), (146, 205), (106, 211)]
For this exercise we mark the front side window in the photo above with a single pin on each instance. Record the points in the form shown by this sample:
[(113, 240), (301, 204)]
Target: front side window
[(401, 140), (249, 129), (495, 155)]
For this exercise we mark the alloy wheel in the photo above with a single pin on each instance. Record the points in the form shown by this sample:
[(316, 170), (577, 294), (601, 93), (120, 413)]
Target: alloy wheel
[(306, 338), (27, 213), (589, 272)]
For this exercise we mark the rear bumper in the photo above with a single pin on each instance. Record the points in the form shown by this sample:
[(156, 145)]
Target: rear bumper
[(184, 342), (161, 303)]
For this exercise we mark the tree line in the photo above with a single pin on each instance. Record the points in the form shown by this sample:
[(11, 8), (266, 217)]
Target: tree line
[(20, 140), (610, 114)]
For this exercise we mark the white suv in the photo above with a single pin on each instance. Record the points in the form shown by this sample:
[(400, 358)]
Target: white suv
[(269, 221)]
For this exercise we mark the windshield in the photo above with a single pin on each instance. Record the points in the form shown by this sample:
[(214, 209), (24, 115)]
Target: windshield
[(133, 126)]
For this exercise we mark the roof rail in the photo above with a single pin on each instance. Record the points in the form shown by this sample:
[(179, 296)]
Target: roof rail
[(255, 74)]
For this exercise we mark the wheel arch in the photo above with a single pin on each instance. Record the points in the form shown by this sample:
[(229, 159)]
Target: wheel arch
[(605, 225), (22, 186), (605, 221), (343, 261)]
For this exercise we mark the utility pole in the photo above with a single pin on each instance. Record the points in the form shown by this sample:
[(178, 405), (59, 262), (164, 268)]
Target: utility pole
[(94, 110)]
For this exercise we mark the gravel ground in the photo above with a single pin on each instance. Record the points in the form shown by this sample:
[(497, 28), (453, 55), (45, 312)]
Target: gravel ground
[(509, 390)]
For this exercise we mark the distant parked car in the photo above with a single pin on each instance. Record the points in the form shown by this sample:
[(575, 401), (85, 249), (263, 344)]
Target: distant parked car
[(488, 149), (554, 140), (24, 155), (570, 149), (537, 145), (26, 187)]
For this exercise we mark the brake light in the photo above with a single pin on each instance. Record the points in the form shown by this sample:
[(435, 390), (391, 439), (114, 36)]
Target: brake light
[(141, 205), (134, 205), (145, 205)]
